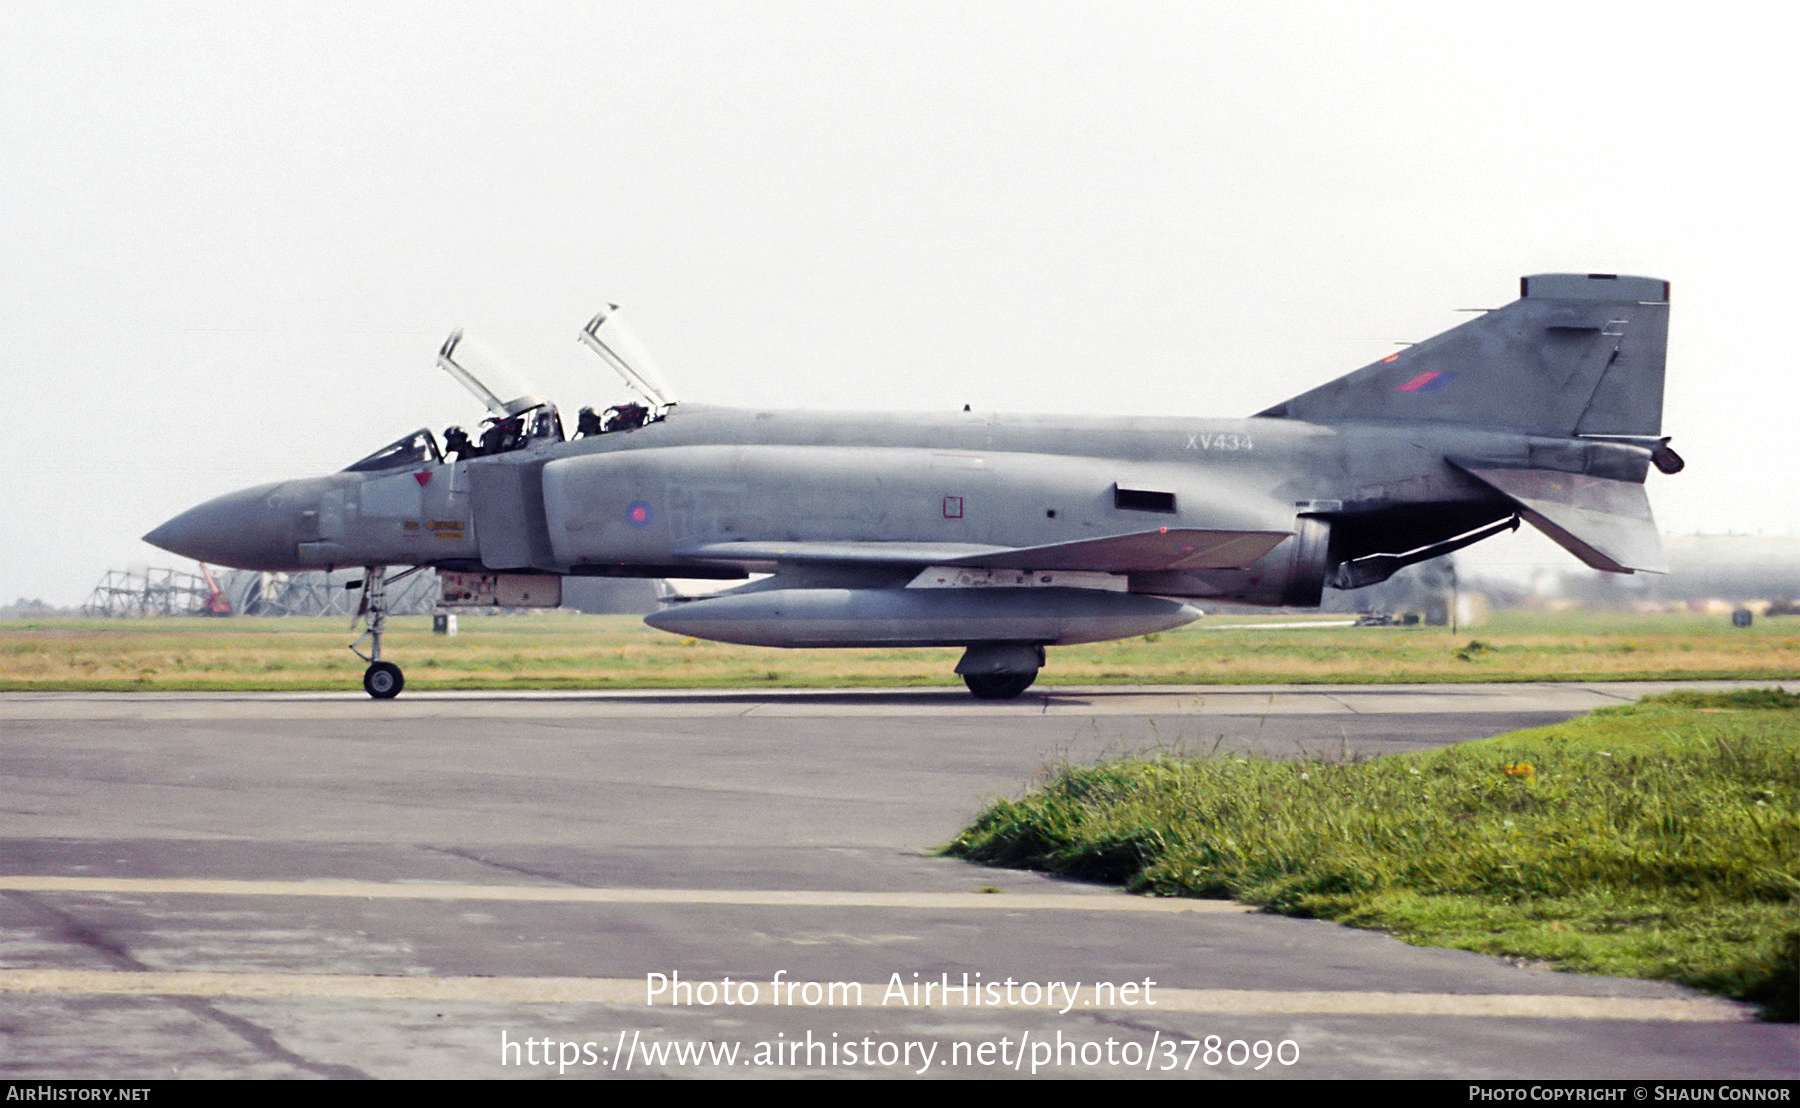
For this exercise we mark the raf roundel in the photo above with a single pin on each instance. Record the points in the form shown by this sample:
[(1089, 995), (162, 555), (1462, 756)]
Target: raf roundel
[(639, 513)]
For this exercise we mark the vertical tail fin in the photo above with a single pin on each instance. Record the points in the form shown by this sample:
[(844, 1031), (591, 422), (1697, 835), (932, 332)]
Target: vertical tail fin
[(1576, 354)]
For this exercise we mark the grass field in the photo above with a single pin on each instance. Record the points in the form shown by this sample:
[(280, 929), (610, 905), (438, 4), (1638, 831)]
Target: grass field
[(1657, 841), (562, 651), (1660, 839)]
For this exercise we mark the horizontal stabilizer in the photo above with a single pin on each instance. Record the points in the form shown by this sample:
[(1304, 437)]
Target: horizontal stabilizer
[(1166, 548), (1605, 523)]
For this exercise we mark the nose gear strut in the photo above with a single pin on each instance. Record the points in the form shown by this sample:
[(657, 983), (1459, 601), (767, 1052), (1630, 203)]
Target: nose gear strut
[(382, 680)]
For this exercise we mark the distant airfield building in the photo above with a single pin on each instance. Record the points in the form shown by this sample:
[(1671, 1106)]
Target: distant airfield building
[(1717, 573), (1708, 572)]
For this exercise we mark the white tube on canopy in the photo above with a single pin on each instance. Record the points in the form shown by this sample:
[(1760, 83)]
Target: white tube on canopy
[(469, 362), (608, 337)]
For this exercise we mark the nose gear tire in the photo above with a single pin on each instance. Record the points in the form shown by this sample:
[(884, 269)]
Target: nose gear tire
[(383, 680)]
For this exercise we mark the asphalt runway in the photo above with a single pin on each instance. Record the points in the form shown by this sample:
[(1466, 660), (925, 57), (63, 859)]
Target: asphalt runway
[(735, 883)]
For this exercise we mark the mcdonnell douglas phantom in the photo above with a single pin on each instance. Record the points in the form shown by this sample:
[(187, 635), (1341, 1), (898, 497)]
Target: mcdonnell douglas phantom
[(1000, 534)]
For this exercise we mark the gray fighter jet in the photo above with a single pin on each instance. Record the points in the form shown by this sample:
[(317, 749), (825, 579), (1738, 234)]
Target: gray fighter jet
[(1001, 534)]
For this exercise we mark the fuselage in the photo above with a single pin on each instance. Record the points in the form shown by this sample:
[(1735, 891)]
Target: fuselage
[(670, 498)]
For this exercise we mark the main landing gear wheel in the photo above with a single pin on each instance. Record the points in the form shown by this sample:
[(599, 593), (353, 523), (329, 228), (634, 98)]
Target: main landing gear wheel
[(998, 686), (383, 680)]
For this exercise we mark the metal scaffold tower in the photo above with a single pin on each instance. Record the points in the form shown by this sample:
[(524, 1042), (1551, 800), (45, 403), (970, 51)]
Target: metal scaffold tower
[(143, 591), (322, 594)]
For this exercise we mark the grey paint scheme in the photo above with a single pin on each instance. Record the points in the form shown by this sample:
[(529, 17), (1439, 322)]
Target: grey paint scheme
[(1548, 409)]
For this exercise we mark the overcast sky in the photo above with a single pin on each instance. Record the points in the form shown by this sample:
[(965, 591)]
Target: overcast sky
[(235, 234)]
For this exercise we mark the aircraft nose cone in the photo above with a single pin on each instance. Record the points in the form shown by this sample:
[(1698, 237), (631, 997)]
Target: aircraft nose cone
[(241, 529)]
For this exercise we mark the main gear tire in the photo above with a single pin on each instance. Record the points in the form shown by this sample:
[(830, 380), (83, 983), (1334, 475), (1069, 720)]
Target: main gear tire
[(998, 686)]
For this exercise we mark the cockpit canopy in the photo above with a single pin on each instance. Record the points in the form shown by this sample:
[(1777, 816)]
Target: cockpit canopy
[(537, 424), (418, 448), (527, 419)]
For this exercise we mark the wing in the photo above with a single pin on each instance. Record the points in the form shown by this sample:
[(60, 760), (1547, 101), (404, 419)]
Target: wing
[(1166, 548)]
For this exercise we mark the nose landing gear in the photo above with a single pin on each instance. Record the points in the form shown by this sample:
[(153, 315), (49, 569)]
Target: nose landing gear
[(382, 680)]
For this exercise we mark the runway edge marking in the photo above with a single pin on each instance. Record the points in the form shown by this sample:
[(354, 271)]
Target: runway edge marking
[(773, 898)]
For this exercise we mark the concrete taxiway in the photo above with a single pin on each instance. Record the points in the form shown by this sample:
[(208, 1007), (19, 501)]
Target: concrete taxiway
[(494, 885)]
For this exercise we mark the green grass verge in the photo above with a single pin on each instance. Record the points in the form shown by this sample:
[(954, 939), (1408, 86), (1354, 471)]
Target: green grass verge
[(571, 651), (1660, 840)]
